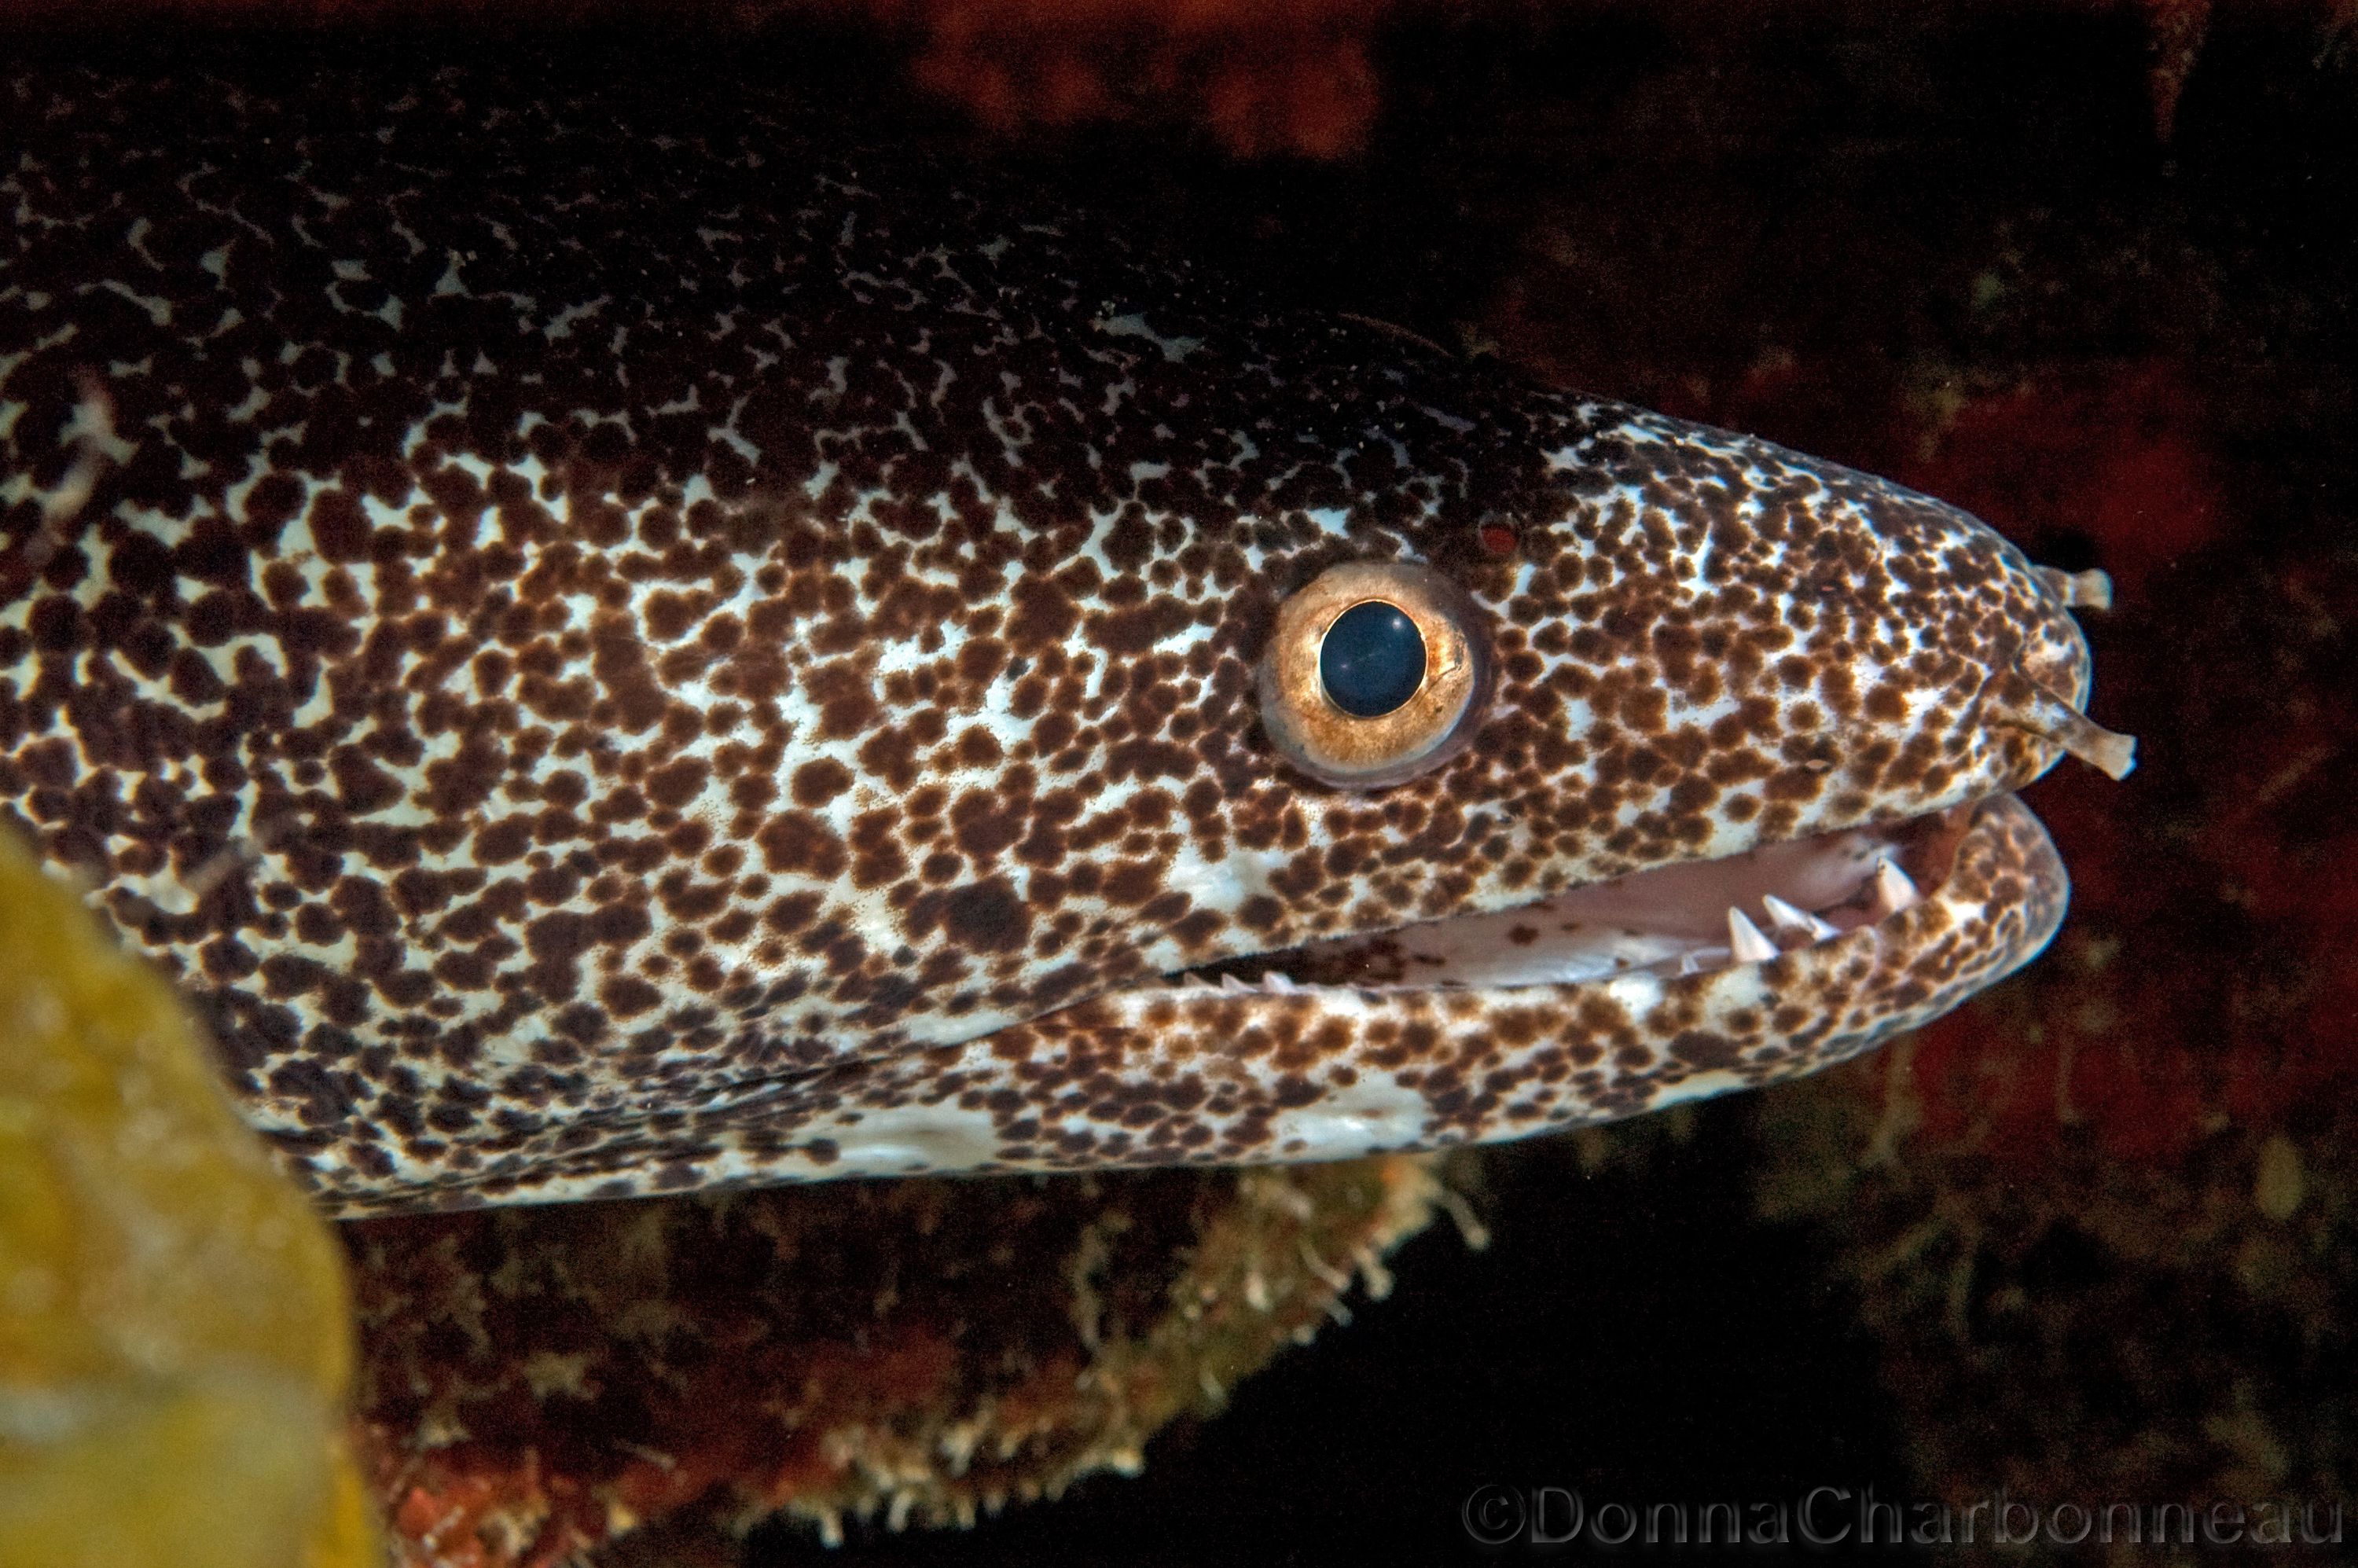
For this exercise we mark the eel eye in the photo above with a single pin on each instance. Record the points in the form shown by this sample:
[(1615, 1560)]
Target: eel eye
[(1376, 672)]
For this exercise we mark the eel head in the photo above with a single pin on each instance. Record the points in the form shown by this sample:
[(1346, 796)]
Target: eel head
[(1692, 775)]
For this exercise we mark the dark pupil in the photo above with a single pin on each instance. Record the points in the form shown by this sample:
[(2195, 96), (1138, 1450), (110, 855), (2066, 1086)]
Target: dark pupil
[(1372, 660)]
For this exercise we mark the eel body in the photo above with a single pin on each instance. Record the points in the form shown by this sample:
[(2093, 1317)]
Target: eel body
[(613, 653)]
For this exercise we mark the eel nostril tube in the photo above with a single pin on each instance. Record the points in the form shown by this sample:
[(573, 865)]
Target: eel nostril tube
[(2014, 700), (2091, 587)]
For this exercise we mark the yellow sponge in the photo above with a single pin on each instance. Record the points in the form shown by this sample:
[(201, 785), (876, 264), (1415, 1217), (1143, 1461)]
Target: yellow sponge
[(175, 1337)]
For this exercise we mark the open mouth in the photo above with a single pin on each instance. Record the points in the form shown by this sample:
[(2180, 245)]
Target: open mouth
[(1687, 918)]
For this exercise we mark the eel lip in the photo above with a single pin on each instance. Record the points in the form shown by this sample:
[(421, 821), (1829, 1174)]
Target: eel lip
[(1686, 918)]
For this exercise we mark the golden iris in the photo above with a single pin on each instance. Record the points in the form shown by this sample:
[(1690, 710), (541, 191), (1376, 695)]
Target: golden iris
[(1377, 671)]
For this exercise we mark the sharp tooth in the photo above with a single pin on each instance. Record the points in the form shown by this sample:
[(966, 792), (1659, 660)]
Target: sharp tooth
[(1745, 941), (1233, 986), (1787, 918), (1278, 982), (1893, 890)]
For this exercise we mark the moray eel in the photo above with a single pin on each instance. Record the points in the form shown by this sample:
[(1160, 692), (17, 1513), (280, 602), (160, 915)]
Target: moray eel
[(614, 653)]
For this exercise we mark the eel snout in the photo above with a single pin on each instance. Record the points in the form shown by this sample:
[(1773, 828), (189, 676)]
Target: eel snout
[(2013, 712)]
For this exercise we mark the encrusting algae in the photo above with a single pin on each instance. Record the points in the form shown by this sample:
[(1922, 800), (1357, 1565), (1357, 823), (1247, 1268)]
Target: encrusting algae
[(175, 1336), (537, 1382)]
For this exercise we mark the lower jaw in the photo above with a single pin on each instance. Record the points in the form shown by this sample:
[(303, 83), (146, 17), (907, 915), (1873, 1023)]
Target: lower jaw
[(1350, 1064)]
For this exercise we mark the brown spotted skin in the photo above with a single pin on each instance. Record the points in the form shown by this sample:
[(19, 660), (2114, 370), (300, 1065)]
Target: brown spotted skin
[(616, 652)]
